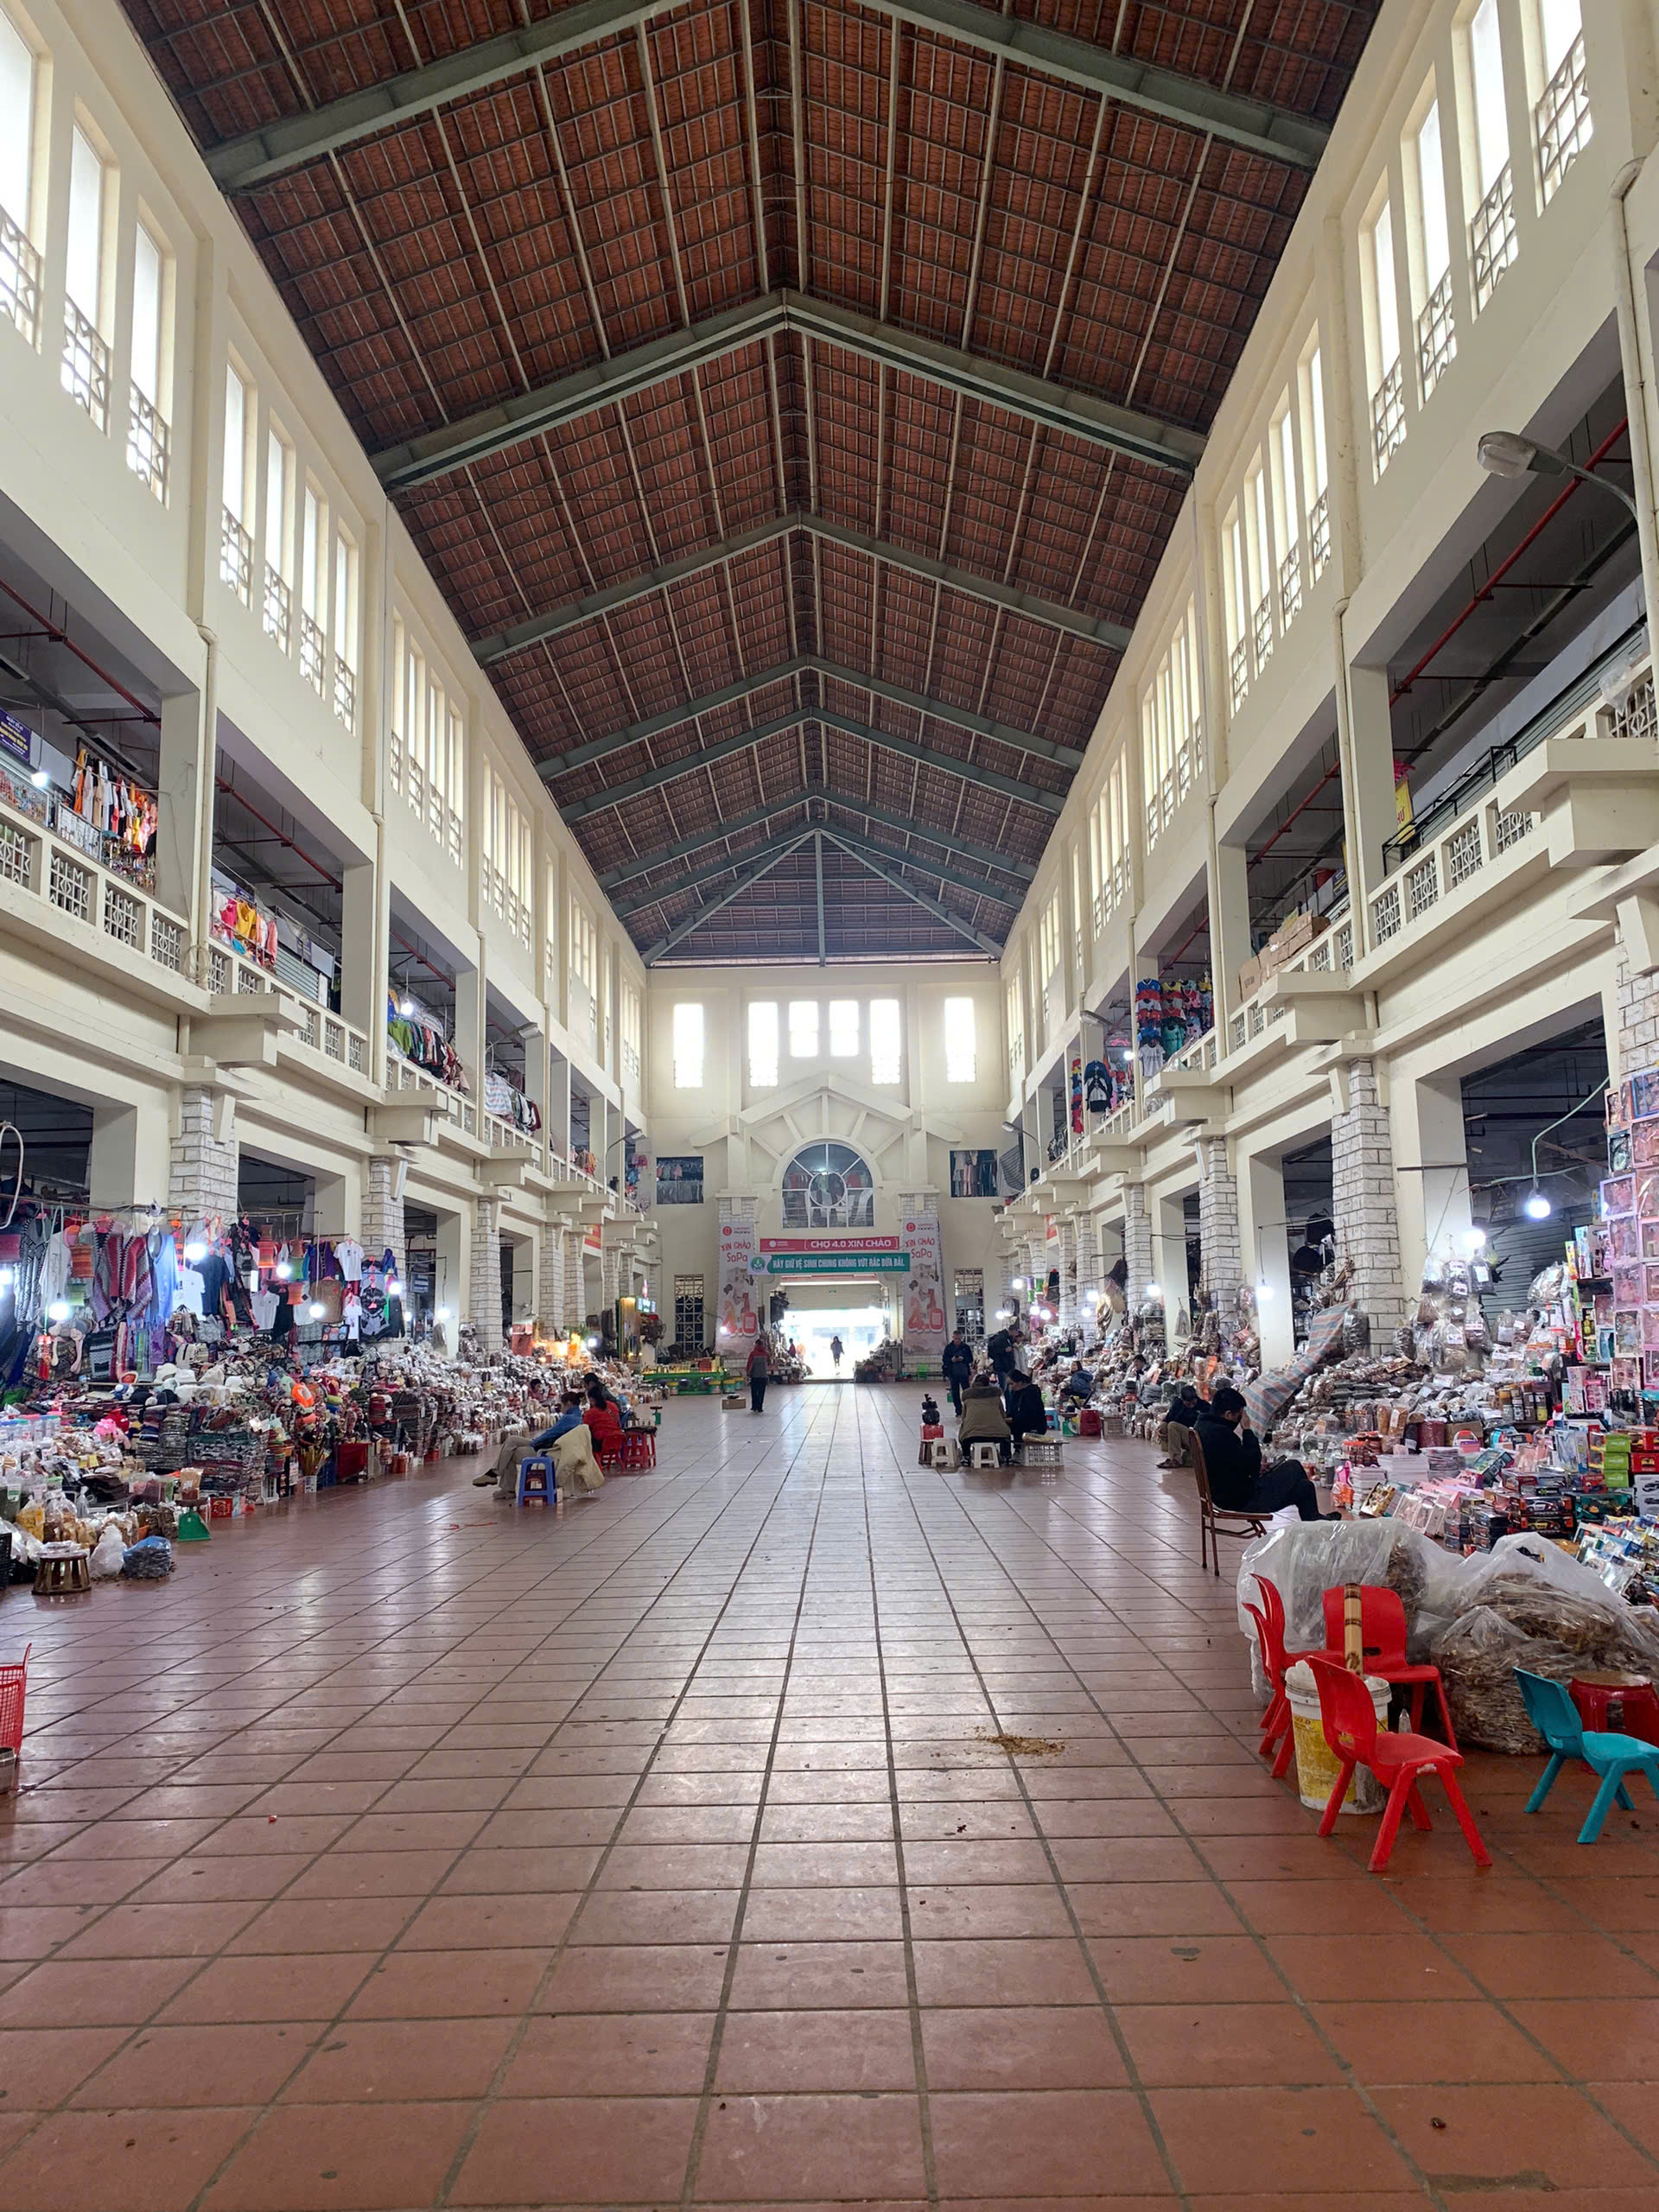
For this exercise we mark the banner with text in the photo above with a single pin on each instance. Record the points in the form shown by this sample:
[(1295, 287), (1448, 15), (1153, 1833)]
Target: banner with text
[(738, 1321), (924, 1326)]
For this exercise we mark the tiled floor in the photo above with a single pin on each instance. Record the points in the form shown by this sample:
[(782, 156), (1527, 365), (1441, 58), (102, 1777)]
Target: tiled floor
[(404, 1851)]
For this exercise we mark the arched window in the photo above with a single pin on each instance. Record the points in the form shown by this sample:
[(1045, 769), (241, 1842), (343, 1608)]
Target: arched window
[(829, 1186)]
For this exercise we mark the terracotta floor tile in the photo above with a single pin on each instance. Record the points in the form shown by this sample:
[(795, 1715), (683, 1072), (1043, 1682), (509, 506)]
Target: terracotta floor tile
[(372, 2061), (589, 2150), (638, 1978), (806, 2052), (808, 1915), (1448, 2041), (289, 1987), (1033, 2047), (1285, 2140), (224, 2064), (118, 2161), (1172, 2045), (823, 1977), (704, 1916), (161, 1931), (1345, 1969), (1535, 2137), (39, 2066), (308, 1925), (590, 2054), (1547, 1964), (1185, 1970), (772, 2149), (361, 2157), (83, 1993), (1044, 2143), (1033, 1971)]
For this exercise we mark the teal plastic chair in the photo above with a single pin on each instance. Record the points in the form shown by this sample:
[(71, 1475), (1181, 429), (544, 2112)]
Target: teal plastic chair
[(1553, 1714)]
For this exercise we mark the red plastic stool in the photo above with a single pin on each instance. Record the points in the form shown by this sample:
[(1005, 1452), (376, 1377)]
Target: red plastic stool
[(1618, 1705)]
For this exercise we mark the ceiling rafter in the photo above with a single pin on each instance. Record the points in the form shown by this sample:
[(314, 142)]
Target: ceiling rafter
[(868, 856), (745, 882), (775, 846), (540, 628), (784, 672), (1279, 134), (1096, 421)]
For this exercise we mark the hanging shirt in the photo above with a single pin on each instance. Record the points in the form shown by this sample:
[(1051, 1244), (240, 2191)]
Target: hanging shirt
[(349, 1253), (265, 1303), (191, 1293)]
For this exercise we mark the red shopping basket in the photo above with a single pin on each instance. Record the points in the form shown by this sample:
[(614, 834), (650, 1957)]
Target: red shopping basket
[(14, 1680)]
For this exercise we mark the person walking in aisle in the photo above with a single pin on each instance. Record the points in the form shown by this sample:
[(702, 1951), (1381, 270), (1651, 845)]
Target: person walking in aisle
[(835, 1350), (957, 1363), (758, 1370)]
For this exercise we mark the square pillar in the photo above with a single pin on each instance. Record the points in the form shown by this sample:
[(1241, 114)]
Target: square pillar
[(1267, 1258), (184, 807), (1169, 1263), (549, 1291), (131, 1156), (1218, 1234), (202, 1175), (484, 1298), (1137, 1243), (1362, 1179), (383, 1213), (1425, 1122)]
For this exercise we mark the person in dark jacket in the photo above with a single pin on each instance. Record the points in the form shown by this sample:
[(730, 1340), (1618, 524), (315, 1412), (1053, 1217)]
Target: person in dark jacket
[(999, 1350), (958, 1365), (1232, 1459), (1180, 1421), (1027, 1415), (983, 1420)]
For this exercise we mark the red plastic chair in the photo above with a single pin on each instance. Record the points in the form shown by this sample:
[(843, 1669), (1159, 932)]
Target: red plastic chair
[(1351, 1729), (1383, 1632), (1269, 1618)]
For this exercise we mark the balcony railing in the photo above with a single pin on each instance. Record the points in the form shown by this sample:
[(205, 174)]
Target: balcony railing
[(1239, 665), (277, 610), (453, 1105), (235, 557), (78, 888), (314, 652), (1319, 535), (86, 373), (1387, 418), (345, 694), (150, 444), (1562, 120), (1290, 587), (20, 282), (1493, 243), (1437, 336), (1261, 631)]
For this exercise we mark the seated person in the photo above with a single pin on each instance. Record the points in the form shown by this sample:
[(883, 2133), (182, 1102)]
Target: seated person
[(1078, 1384), (1232, 1458), (504, 1473), (602, 1416), (1175, 1436), (1027, 1415), (574, 1460), (983, 1420)]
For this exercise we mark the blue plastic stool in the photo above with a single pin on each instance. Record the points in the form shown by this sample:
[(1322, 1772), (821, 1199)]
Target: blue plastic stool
[(1553, 1714), (537, 1478)]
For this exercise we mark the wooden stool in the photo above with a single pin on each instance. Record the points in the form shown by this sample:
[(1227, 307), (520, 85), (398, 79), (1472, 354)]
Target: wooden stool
[(984, 1455), (64, 1571)]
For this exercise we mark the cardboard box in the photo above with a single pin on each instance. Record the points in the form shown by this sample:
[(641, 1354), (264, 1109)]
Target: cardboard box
[(1250, 978), (1295, 934)]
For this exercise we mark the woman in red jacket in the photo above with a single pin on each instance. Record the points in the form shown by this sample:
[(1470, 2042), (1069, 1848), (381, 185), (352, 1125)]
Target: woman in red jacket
[(601, 1415)]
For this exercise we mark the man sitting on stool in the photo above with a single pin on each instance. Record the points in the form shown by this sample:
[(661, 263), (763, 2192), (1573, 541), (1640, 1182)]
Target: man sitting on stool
[(1232, 1459), (1180, 1421), (1027, 1415)]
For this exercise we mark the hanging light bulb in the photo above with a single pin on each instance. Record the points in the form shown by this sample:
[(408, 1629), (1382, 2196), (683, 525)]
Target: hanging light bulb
[(194, 1252), (1537, 1206), (1155, 1290), (283, 1271), (316, 1309), (1473, 1239), (40, 779), (406, 1007), (442, 1314), (1264, 1288), (394, 1288), (58, 1310)]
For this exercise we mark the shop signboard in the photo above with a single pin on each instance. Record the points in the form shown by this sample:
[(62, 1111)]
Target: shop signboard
[(831, 1256), (924, 1326), (18, 741), (737, 1321)]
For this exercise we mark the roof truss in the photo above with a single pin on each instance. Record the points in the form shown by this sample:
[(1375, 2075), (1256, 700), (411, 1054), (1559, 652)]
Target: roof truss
[(1020, 871), (1079, 415), (784, 672), (871, 857), (240, 164), (746, 881), (540, 628)]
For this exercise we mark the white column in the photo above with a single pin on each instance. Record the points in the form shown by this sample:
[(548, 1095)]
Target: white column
[(484, 1301), (1425, 1118), (203, 1169), (1267, 1258)]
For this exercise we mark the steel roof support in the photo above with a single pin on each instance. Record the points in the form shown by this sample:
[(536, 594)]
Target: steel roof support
[(1278, 134), (920, 898), (1082, 415), (782, 671), (817, 857), (688, 764), (1114, 636), (1020, 872), (976, 884), (745, 882), (713, 872)]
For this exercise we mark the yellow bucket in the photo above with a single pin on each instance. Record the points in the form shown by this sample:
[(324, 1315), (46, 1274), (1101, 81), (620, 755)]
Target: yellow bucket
[(1317, 1765)]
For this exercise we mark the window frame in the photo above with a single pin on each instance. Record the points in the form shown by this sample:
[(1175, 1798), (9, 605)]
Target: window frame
[(681, 1050), (757, 1014)]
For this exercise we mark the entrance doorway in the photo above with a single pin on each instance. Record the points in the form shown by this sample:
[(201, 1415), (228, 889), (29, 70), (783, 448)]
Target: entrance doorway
[(811, 1324)]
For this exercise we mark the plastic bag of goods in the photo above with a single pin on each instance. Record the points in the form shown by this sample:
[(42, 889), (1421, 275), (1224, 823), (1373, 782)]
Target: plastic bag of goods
[(149, 1561), (108, 1553), (1526, 1618)]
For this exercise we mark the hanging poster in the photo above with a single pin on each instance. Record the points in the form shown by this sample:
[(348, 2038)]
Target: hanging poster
[(924, 1326), (736, 1330)]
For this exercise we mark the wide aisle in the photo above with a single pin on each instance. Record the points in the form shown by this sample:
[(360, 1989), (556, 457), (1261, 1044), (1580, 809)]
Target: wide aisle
[(407, 1852)]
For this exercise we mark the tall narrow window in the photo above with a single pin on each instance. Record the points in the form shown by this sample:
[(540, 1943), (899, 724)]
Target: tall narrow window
[(763, 1044), (1489, 175), (802, 1029), (1315, 468), (1261, 566), (887, 1041), (1234, 594), (1561, 116), (1016, 1021), (20, 260), (843, 1029), (149, 439), (86, 373), (687, 1045), (313, 573), (346, 629), (235, 539), (1437, 337), (278, 610), (959, 1040), (1287, 532), (1383, 342)]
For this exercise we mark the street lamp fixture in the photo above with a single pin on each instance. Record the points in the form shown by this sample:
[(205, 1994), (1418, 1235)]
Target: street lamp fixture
[(1506, 452)]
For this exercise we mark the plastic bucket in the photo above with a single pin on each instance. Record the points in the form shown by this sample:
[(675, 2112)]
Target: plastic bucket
[(1317, 1765)]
